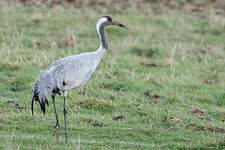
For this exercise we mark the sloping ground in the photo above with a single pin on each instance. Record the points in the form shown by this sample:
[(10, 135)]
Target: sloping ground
[(160, 85)]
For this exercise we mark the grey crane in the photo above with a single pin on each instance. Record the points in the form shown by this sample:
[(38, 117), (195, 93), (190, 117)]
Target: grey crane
[(70, 72)]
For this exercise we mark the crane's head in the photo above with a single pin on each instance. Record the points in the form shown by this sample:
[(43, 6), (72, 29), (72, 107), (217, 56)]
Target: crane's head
[(102, 22), (106, 20)]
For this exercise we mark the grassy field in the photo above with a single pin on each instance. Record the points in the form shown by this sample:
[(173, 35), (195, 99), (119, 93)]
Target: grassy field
[(160, 85)]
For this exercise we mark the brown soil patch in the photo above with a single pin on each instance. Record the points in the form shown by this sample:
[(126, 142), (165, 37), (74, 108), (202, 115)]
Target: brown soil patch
[(206, 128), (149, 64), (210, 81), (153, 97), (197, 111), (201, 114), (120, 117)]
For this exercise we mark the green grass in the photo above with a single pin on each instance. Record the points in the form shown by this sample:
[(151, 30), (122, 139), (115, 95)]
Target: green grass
[(156, 103)]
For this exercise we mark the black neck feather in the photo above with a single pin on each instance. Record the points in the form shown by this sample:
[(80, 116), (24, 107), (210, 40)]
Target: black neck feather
[(103, 36)]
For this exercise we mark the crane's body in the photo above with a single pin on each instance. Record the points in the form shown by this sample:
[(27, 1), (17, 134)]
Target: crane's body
[(70, 72), (74, 71)]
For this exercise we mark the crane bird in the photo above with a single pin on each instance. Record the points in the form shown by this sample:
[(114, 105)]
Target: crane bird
[(70, 72)]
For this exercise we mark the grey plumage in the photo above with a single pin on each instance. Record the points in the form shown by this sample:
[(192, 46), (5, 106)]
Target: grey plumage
[(64, 74), (70, 72)]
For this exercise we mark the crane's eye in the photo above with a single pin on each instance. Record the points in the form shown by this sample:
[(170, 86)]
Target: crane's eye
[(108, 18)]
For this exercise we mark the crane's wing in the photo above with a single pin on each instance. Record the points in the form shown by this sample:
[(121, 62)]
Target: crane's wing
[(73, 71)]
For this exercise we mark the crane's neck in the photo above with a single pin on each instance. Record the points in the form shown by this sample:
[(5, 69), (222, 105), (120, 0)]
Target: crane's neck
[(102, 36)]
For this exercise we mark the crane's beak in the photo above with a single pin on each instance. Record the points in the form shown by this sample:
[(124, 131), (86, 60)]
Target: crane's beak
[(117, 24)]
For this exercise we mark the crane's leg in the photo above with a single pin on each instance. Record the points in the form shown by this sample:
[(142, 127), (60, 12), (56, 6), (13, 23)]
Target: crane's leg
[(65, 112), (57, 120)]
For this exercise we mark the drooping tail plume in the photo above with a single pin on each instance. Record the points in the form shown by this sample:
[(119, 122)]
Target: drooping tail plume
[(41, 90)]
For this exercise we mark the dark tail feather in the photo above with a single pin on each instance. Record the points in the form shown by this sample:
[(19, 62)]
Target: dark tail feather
[(42, 104), (42, 107), (32, 106), (41, 90)]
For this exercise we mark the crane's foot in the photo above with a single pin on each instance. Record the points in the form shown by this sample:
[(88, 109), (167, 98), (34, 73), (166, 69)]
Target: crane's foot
[(56, 131)]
